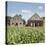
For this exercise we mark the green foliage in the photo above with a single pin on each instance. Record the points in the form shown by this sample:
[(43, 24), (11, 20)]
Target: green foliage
[(8, 19), (25, 35)]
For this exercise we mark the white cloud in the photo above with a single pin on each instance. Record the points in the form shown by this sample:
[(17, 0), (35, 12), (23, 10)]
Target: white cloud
[(40, 7), (26, 11)]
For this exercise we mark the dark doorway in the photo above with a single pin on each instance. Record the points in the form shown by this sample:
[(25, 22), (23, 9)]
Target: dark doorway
[(36, 24), (16, 23)]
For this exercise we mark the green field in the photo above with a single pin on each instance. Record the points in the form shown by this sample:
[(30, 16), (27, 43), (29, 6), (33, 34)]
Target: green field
[(25, 35)]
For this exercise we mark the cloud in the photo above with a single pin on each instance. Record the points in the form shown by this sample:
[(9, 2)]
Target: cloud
[(40, 7), (26, 11)]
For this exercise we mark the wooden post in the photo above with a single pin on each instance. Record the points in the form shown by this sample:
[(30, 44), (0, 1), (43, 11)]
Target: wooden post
[(34, 24), (31, 24)]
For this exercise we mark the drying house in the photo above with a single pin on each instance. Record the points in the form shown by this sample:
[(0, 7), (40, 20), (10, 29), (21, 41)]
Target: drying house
[(16, 20), (35, 20)]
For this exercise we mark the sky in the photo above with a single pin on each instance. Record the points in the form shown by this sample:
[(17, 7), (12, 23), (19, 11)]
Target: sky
[(26, 9)]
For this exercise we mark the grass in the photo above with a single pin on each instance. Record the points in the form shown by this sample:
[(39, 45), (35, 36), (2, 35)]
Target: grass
[(25, 35)]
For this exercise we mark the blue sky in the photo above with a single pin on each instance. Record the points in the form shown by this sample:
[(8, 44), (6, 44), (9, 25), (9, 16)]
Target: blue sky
[(26, 9)]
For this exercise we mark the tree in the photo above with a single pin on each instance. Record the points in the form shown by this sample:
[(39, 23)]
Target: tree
[(8, 20), (24, 22)]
